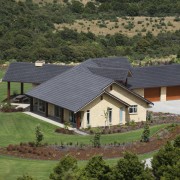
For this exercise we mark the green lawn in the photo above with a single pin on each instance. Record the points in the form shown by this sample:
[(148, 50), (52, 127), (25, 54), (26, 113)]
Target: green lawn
[(12, 167), (19, 127)]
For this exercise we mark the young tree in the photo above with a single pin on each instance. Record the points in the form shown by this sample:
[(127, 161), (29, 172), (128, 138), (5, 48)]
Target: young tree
[(146, 133), (166, 162), (66, 169), (177, 142), (96, 141), (96, 168), (130, 167), (39, 135)]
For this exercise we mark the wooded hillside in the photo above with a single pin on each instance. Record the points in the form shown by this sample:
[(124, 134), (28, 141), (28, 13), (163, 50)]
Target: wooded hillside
[(28, 32)]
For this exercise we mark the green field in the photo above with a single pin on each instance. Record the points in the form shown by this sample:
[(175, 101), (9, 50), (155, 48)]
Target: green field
[(19, 127)]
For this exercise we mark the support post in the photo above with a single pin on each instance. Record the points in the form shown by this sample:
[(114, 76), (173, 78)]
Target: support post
[(46, 109), (78, 120), (31, 104), (22, 88), (62, 115), (8, 91)]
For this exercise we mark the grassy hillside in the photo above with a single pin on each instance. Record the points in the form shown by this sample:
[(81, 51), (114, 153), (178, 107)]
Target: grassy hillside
[(129, 26), (31, 31), (23, 126)]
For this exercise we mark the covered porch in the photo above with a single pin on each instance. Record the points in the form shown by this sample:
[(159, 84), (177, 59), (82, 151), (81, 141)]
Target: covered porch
[(56, 113)]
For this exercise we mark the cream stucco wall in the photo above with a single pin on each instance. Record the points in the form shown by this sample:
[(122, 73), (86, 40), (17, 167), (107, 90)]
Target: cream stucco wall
[(97, 109), (50, 109), (66, 115), (132, 100), (163, 94), (139, 91)]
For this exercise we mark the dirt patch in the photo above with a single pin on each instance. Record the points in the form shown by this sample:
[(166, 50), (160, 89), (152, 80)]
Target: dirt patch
[(85, 152)]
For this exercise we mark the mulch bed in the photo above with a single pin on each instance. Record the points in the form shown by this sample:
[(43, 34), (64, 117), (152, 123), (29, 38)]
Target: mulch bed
[(159, 118), (54, 152)]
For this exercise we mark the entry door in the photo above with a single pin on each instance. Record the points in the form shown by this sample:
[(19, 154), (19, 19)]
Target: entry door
[(121, 114)]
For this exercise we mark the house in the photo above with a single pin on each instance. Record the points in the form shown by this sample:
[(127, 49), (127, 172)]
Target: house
[(98, 92)]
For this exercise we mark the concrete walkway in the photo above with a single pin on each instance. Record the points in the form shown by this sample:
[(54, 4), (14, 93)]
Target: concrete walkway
[(18, 105), (172, 107), (54, 122)]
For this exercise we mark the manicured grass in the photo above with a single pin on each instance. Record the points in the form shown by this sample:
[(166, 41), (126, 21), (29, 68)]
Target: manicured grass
[(12, 167), (19, 127)]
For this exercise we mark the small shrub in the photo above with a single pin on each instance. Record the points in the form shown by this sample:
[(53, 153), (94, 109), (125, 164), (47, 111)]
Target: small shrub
[(146, 133), (96, 141), (39, 135)]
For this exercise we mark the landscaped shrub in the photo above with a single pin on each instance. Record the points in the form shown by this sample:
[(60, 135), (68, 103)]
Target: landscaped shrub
[(39, 135), (96, 141), (146, 133), (64, 131)]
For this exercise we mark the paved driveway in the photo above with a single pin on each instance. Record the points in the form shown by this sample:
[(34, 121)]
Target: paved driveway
[(167, 107)]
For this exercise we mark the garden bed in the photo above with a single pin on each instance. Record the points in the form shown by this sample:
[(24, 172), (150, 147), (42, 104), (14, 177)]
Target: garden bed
[(84, 152), (157, 118)]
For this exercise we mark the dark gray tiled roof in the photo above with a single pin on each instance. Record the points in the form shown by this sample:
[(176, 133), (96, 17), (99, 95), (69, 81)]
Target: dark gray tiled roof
[(155, 76), (112, 73), (72, 89), (113, 62), (29, 73), (78, 86)]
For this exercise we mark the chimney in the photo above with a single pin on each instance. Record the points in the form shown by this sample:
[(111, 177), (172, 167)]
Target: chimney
[(39, 63)]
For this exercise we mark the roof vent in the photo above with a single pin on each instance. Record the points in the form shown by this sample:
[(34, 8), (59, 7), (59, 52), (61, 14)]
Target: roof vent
[(39, 63)]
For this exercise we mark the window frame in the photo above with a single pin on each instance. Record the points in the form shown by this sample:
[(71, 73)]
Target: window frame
[(59, 110), (43, 105), (88, 117), (72, 117), (109, 115), (133, 108)]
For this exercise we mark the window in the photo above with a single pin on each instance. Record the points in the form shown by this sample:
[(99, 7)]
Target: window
[(72, 117), (41, 106), (88, 117), (111, 88), (58, 112), (110, 115), (133, 109)]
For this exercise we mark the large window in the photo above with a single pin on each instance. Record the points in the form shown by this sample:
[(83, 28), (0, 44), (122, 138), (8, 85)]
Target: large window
[(88, 117), (41, 106), (133, 109), (72, 117), (109, 115), (58, 112)]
